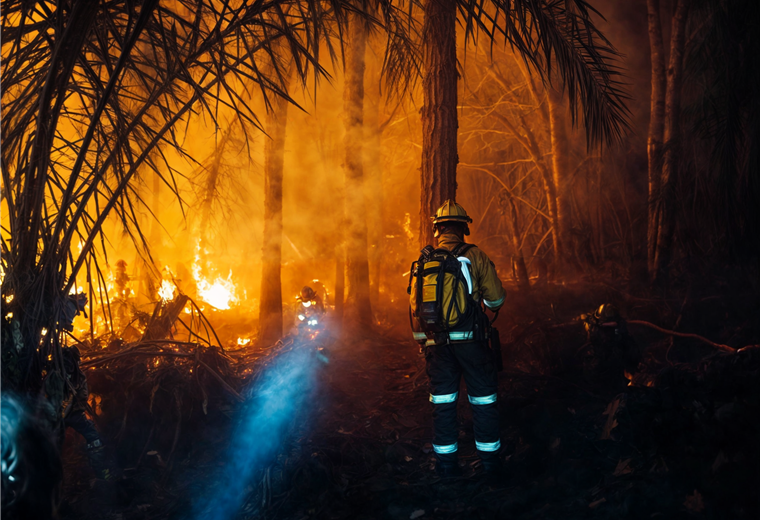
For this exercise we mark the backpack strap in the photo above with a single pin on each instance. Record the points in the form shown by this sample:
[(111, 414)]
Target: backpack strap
[(461, 249)]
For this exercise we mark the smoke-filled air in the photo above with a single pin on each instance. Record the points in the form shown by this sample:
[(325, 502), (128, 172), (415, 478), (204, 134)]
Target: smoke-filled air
[(424, 259)]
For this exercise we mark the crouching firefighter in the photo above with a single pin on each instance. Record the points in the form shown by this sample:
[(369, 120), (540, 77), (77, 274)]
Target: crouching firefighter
[(448, 287)]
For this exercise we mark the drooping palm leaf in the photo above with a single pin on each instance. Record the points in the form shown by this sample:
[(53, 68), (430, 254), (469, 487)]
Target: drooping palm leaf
[(92, 94)]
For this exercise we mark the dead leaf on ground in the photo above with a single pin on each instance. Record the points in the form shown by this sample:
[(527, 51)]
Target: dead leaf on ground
[(623, 467), (694, 502)]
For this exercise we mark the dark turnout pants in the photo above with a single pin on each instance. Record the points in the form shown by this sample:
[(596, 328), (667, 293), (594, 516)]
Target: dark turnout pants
[(445, 366), (82, 425)]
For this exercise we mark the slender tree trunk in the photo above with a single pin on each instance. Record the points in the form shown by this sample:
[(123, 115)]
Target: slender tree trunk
[(439, 111), (357, 262), (523, 280), (561, 168), (531, 145), (672, 148), (656, 126), (340, 284), (374, 190), (212, 185), (270, 310)]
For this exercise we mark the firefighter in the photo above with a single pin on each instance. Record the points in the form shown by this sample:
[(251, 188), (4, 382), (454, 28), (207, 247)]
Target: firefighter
[(612, 352), (464, 351), (74, 413), (309, 298)]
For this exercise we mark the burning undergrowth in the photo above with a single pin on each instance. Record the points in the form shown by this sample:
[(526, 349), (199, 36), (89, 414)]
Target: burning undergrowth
[(175, 402), (678, 442)]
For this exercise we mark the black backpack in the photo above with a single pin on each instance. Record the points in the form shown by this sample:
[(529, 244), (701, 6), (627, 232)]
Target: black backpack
[(440, 289)]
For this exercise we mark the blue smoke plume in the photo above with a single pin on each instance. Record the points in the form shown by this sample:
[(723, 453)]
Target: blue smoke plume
[(280, 396)]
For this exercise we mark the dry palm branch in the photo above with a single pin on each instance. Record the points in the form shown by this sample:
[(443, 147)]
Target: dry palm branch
[(92, 93), (557, 39)]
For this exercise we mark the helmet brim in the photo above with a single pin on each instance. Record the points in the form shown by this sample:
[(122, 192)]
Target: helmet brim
[(451, 218)]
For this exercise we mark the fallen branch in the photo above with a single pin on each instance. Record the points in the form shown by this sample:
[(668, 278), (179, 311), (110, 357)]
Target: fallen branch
[(211, 371), (682, 335)]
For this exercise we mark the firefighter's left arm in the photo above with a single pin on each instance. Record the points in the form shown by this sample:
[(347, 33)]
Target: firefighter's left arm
[(491, 290), (82, 390)]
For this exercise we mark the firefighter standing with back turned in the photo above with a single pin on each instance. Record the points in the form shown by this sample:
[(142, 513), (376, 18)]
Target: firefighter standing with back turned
[(447, 288)]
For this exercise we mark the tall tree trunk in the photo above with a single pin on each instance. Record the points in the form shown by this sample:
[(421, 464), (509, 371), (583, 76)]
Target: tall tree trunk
[(523, 280), (270, 310), (656, 126), (340, 284), (439, 112), (561, 167), (374, 190), (357, 262), (672, 147)]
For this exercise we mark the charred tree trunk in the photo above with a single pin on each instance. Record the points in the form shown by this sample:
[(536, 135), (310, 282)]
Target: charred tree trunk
[(270, 311), (672, 148), (561, 168), (439, 112), (357, 262), (656, 126)]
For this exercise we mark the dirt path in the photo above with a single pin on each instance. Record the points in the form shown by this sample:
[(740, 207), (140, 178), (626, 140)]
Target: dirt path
[(370, 452), (367, 453)]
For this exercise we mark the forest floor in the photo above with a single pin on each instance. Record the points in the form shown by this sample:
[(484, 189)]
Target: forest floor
[(680, 443)]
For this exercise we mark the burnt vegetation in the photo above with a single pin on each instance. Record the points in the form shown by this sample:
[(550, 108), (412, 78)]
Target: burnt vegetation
[(174, 171)]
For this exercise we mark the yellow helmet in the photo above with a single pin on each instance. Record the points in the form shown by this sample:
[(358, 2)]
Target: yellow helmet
[(450, 211)]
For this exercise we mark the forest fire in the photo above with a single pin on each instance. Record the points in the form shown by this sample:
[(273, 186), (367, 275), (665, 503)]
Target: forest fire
[(556, 202), (166, 291), (220, 293)]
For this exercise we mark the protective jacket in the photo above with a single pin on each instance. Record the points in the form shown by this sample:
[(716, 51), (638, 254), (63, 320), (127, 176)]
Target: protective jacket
[(485, 281), (486, 287), (464, 356)]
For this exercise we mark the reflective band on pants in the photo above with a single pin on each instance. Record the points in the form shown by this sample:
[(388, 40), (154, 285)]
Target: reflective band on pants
[(449, 448), (488, 399), (487, 446), (461, 336), (443, 399)]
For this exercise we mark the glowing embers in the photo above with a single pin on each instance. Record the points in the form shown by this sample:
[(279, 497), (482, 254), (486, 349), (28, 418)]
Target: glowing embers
[(242, 342), (167, 290)]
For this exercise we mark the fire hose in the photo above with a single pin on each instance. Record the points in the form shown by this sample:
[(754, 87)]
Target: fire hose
[(674, 333)]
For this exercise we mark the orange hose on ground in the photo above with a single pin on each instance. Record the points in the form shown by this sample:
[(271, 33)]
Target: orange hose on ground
[(682, 335)]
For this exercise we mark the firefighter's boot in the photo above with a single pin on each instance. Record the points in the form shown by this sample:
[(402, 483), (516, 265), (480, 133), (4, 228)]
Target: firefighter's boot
[(447, 466), (96, 455)]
